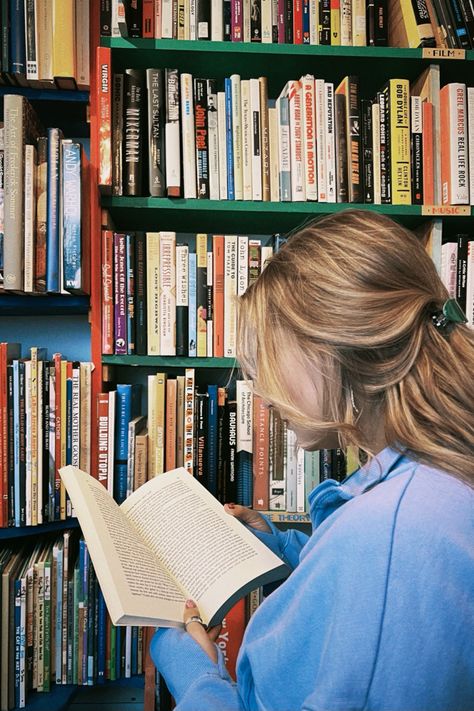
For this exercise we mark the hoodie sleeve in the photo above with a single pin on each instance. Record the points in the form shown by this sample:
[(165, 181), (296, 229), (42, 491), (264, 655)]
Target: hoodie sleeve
[(287, 545)]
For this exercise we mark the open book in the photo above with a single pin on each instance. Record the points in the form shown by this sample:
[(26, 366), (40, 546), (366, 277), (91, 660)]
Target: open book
[(169, 541)]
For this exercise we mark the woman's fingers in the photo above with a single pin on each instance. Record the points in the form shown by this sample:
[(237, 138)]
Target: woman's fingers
[(197, 630), (249, 516)]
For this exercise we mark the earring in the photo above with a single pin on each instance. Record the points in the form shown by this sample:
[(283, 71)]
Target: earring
[(354, 406)]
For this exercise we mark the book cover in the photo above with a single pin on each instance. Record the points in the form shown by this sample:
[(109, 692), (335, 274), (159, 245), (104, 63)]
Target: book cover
[(416, 117), (182, 299), (167, 293)]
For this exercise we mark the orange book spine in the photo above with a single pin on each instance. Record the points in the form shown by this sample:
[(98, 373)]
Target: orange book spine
[(102, 468), (104, 88), (218, 295), (428, 171), (107, 292), (445, 133), (148, 19), (232, 633), (170, 446), (261, 427)]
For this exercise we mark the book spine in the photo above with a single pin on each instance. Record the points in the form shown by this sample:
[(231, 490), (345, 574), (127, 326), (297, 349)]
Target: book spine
[(320, 128), (31, 41), (104, 76), (153, 291), (367, 155), (203, 20), (416, 115), (102, 438), (236, 102), (218, 295), (29, 217), (428, 154), (117, 134), (182, 300), (385, 192), (376, 150), (168, 293), (296, 142), (201, 294), (134, 91), (192, 310), (71, 215), (156, 132), (246, 141), (359, 36), (277, 482), (120, 296), (461, 279), (449, 258), (189, 421), (381, 23), (454, 169), (221, 130), (107, 292), (217, 20), (172, 134), (17, 39), (105, 18), (265, 138), (130, 292), (41, 215), (330, 142), (189, 143), (244, 443), (229, 139), (260, 452), (202, 137), (53, 211), (283, 110), (309, 130), (470, 285), (134, 17), (141, 343), (256, 146), (353, 137), (325, 22), (213, 139), (14, 178), (236, 20), (399, 127), (242, 264), (470, 116), (230, 292), (291, 474)]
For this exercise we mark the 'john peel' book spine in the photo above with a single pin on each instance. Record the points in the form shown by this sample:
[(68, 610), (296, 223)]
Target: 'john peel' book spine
[(140, 294), (134, 98), (156, 132), (202, 137)]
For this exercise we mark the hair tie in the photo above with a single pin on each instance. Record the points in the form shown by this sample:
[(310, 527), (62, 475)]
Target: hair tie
[(450, 315)]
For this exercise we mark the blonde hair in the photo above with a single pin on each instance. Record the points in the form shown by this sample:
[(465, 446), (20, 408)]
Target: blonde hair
[(350, 297)]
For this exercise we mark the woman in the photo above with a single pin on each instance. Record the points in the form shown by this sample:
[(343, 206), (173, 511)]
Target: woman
[(344, 333)]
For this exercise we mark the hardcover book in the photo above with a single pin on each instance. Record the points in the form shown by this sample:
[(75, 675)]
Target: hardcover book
[(157, 549)]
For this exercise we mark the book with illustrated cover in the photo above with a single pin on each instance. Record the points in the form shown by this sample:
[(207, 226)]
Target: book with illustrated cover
[(156, 550)]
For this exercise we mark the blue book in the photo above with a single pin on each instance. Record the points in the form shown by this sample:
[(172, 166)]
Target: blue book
[(17, 37), (127, 407), (192, 308), (119, 635), (52, 222), (229, 140), (212, 439), (101, 638), (306, 37), (71, 215)]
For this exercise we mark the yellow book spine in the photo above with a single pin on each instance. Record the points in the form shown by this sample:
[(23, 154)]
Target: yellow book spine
[(64, 38), (160, 422), (153, 291), (201, 261), (400, 141), (62, 495), (411, 28)]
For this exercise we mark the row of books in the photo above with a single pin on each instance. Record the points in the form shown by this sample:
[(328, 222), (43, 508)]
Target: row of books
[(55, 628), (164, 294), (45, 423), (398, 23), (45, 43), (236, 446), (44, 220), (175, 135)]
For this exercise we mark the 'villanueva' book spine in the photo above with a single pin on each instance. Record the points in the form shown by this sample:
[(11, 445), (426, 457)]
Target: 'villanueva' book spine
[(134, 100), (156, 132), (202, 137)]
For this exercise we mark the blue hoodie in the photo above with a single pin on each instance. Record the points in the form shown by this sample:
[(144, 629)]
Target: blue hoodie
[(378, 612)]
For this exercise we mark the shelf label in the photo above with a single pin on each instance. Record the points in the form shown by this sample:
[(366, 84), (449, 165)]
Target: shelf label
[(440, 53), (446, 210)]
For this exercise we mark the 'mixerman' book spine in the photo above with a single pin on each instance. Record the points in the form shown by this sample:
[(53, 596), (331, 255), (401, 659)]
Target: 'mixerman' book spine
[(134, 104), (202, 137), (156, 132)]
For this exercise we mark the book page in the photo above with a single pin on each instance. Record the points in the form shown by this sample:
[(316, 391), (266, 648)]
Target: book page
[(210, 553), (132, 580)]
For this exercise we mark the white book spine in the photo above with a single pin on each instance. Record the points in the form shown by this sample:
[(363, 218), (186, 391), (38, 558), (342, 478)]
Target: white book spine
[(192, 20), (296, 141), (346, 23), (313, 22), (44, 21), (242, 264), (470, 285), (189, 142), (31, 40), (172, 132), (321, 139), (244, 397), (284, 146), (128, 652), (458, 158), (29, 509), (153, 291), (29, 218), (274, 154), (266, 254), (158, 20), (330, 142), (247, 13), (291, 460), (470, 142), (300, 487), (210, 319), (376, 151), (246, 140), (309, 132), (189, 420), (266, 15), (237, 135), (167, 19), (230, 293), (359, 33), (168, 293), (152, 425), (217, 21), (213, 135), (118, 16), (221, 126), (76, 417), (182, 275), (449, 267), (111, 445), (256, 139)]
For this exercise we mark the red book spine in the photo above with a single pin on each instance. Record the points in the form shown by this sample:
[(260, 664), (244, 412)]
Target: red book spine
[(104, 88), (236, 21), (107, 292), (218, 295), (445, 133), (428, 172), (101, 470), (148, 19), (298, 22), (261, 427), (57, 441), (232, 633)]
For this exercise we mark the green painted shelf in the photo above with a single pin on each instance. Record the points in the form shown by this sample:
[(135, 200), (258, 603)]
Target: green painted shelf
[(169, 361)]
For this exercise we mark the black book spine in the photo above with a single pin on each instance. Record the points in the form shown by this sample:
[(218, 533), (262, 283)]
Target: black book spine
[(384, 149), (117, 134), (381, 23), (354, 173), (203, 20), (446, 21), (231, 479), (156, 132), (22, 442), (459, 25), (256, 21), (133, 17), (201, 437), (367, 153), (5, 66), (182, 299), (11, 448), (416, 118), (202, 137), (289, 22), (370, 22), (467, 10), (325, 464), (17, 38), (222, 443), (106, 18), (341, 148), (422, 19), (325, 22), (133, 126), (227, 18), (141, 343), (47, 515), (338, 464), (461, 282)]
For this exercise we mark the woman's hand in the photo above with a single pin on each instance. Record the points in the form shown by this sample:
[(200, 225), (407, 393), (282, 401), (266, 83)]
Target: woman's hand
[(198, 632), (249, 516)]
